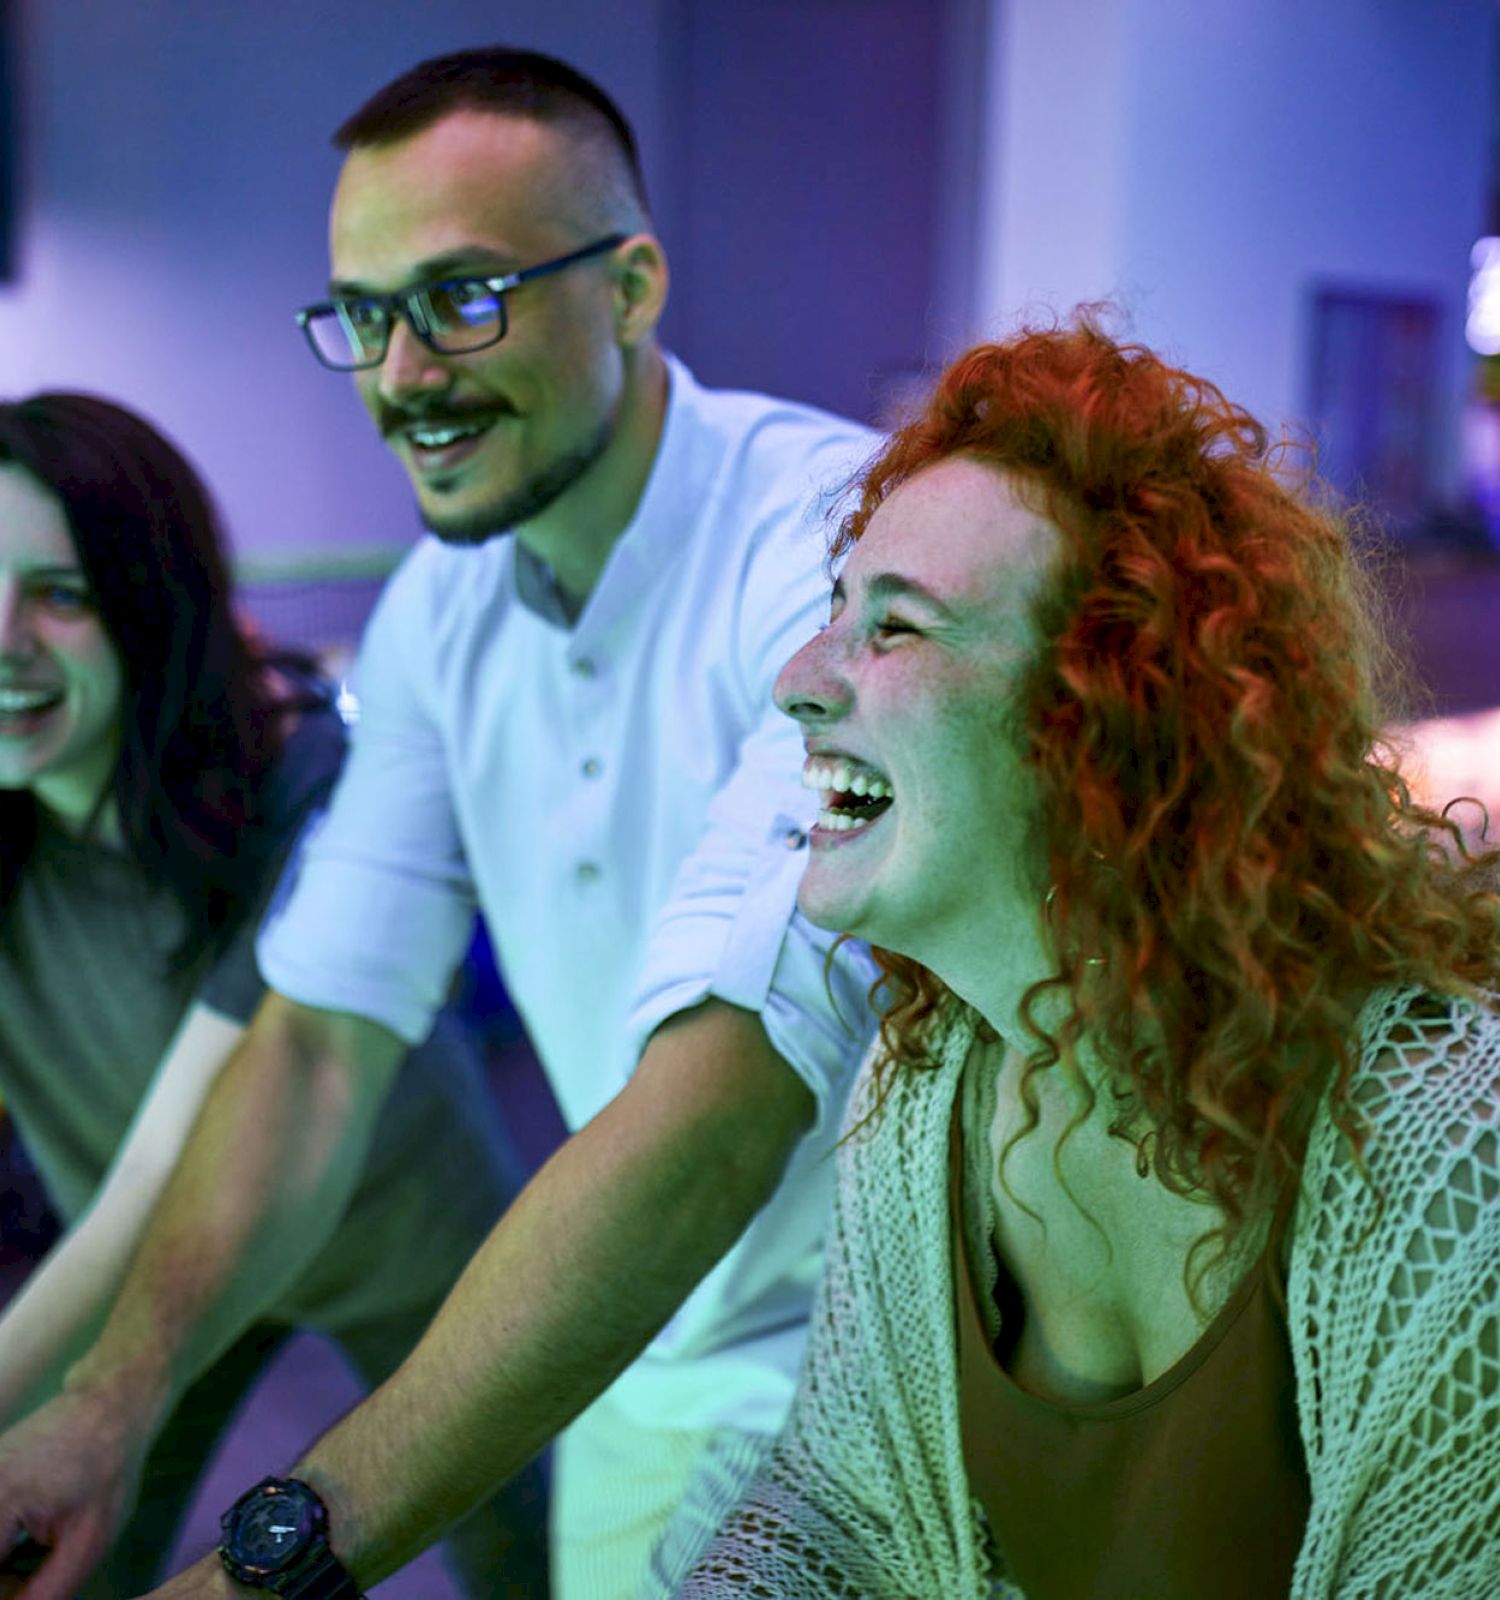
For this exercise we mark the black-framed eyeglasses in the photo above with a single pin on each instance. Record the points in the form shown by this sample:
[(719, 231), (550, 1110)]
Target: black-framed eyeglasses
[(453, 316)]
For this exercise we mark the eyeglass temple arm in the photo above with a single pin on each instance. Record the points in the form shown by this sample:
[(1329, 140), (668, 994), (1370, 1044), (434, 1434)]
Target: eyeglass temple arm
[(526, 274)]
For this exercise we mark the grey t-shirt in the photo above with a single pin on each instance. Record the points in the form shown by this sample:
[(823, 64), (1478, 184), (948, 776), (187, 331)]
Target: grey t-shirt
[(89, 1001)]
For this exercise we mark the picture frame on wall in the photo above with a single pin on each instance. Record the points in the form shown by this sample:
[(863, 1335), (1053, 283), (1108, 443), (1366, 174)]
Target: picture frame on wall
[(1373, 397)]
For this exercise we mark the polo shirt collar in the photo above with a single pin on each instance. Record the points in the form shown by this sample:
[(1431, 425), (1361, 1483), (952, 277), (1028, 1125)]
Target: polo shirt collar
[(651, 539)]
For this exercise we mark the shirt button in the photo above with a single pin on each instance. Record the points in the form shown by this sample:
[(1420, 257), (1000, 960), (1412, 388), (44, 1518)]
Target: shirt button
[(588, 871), (585, 667), (794, 838), (591, 768)]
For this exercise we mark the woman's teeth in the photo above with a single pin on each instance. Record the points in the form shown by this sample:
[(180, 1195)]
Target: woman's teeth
[(16, 702), (841, 777), (854, 796), (844, 821)]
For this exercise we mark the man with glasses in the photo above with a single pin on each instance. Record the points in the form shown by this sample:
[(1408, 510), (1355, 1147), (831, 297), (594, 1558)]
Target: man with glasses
[(575, 726)]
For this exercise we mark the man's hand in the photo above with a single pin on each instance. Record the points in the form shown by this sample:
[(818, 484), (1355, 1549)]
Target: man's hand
[(68, 1476)]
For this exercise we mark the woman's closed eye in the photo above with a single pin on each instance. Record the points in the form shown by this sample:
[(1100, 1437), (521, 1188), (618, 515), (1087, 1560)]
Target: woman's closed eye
[(889, 627)]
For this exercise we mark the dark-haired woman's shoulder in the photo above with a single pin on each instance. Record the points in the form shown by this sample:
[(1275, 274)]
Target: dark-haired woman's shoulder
[(313, 741), (292, 791)]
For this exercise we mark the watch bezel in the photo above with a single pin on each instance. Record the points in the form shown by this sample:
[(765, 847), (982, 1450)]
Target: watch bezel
[(315, 1531)]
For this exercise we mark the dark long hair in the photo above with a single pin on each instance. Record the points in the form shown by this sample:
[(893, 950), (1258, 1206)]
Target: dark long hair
[(201, 718)]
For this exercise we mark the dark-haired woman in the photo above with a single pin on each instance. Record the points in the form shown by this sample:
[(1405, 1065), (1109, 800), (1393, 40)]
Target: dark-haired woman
[(155, 769), (1166, 1259)]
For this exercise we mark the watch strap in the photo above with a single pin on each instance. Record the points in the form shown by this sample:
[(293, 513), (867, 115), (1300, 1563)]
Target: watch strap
[(323, 1577)]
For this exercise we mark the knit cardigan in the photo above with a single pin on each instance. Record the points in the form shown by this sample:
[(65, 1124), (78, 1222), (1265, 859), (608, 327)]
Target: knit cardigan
[(1394, 1318)]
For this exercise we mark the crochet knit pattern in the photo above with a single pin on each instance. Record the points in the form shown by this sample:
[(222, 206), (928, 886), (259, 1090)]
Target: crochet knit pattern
[(1394, 1316)]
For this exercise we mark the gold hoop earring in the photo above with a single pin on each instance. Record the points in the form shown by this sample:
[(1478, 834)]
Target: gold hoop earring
[(1047, 903)]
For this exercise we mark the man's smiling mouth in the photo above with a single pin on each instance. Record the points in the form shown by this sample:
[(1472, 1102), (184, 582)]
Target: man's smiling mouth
[(440, 444), (439, 435)]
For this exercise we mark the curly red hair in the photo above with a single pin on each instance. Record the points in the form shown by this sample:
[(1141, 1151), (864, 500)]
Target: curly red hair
[(1235, 859)]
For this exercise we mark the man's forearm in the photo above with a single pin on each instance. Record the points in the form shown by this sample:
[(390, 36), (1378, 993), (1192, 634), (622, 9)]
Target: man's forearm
[(269, 1165), (587, 1265)]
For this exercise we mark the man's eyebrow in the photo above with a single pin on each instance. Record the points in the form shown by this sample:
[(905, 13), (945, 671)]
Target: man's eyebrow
[(472, 261), (889, 585)]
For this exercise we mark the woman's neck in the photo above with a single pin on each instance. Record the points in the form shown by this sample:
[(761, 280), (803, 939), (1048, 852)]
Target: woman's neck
[(100, 822)]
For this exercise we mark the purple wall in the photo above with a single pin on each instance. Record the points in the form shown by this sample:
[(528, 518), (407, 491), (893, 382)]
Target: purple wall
[(807, 147), (176, 172)]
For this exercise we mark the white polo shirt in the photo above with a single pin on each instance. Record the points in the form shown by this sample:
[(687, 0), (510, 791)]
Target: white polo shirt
[(622, 800)]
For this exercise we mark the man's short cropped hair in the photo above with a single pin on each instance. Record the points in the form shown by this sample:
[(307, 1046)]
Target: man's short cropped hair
[(518, 83)]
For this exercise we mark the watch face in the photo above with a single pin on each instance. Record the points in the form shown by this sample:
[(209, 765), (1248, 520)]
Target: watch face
[(271, 1527)]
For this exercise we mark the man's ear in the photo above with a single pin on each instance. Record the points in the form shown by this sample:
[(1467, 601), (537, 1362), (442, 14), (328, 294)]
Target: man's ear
[(641, 280)]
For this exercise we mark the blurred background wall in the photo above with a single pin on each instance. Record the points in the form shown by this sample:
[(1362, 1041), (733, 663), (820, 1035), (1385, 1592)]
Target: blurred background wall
[(1218, 166), (849, 190)]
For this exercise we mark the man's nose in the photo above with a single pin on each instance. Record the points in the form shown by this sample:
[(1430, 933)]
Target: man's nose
[(410, 367)]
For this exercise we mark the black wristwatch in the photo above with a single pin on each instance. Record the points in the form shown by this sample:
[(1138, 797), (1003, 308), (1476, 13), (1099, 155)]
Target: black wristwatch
[(276, 1538)]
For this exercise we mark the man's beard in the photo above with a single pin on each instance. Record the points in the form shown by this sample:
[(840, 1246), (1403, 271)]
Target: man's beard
[(484, 523)]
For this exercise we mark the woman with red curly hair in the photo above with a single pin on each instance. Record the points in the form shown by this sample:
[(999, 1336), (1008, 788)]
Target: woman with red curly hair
[(1166, 1257)]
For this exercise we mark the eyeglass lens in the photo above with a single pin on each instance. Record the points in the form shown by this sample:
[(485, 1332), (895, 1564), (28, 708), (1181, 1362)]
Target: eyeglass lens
[(456, 316)]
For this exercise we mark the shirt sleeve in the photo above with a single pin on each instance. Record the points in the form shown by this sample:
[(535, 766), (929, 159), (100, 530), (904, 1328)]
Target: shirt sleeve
[(730, 928), (378, 910)]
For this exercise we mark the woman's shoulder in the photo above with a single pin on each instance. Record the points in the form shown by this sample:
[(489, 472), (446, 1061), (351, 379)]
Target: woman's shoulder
[(1417, 1046), (310, 753), (1424, 1097)]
